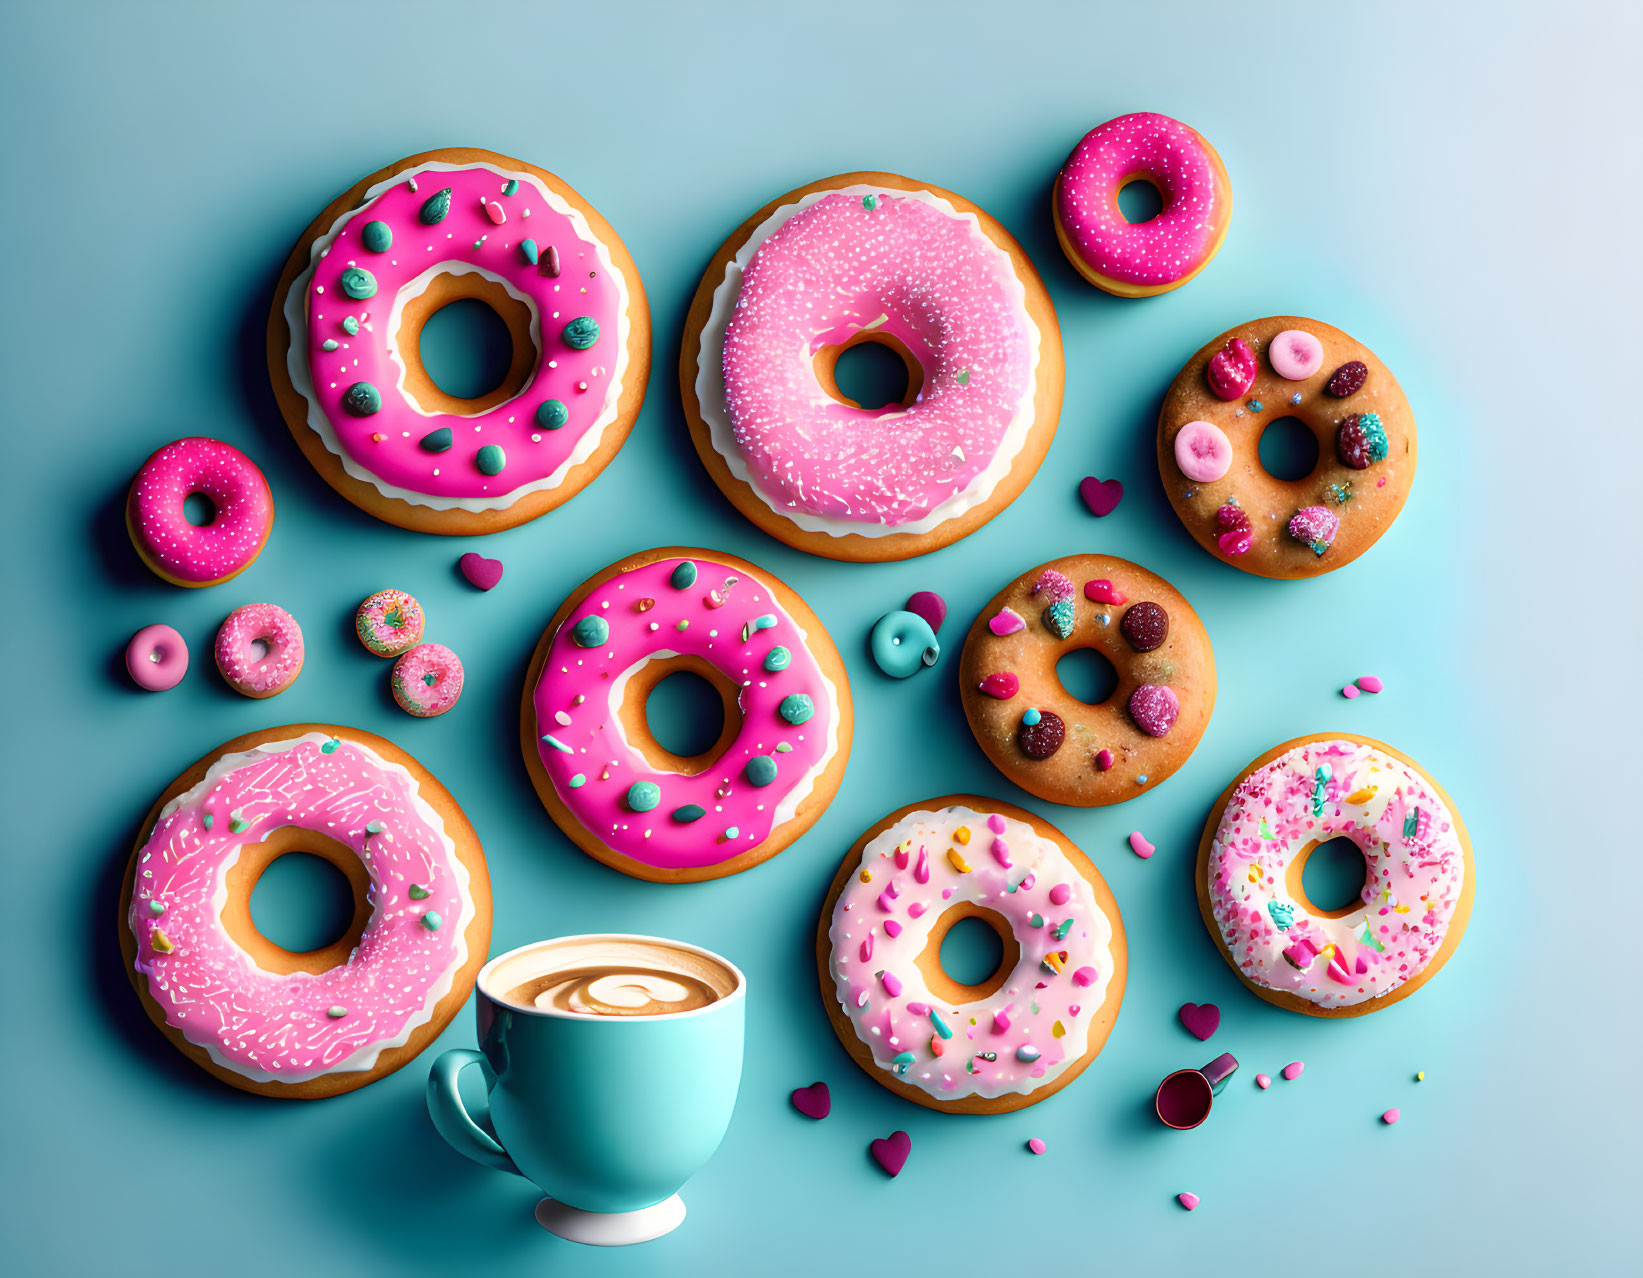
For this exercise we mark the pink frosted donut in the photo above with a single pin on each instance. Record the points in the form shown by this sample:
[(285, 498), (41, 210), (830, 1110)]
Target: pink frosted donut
[(225, 546), (389, 623), (157, 658), (1141, 259), (427, 680), (259, 650)]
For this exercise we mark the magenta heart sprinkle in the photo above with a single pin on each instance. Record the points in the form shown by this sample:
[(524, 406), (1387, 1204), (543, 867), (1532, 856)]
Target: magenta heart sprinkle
[(929, 605), (481, 572), (1101, 495), (814, 1101), (891, 1152), (1201, 1019)]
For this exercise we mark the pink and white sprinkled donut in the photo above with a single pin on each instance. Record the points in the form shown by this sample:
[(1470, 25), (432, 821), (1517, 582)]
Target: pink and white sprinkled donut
[(157, 658), (1007, 1041), (1417, 891), (427, 680), (1142, 259), (226, 545), (344, 342), (306, 1025), (880, 258), (389, 623), (259, 650)]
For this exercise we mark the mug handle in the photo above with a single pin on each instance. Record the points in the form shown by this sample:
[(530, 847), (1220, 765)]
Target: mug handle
[(1217, 1071), (451, 1117)]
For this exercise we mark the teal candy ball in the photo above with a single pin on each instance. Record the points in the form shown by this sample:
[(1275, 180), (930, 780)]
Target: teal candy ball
[(377, 236), (590, 632), (760, 770), (358, 283), (902, 643), (362, 399), (581, 333), (796, 708), (644, 795), (551, 414)]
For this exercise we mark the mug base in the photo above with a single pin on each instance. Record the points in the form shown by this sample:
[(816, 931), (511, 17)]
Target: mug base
[(610, 1229)]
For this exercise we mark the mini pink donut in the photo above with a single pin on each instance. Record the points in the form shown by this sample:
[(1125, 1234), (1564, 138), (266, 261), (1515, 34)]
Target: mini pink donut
[(427, 680), (1141, 259), (389, 623), (157, 658), (224, 547), (259, 650)]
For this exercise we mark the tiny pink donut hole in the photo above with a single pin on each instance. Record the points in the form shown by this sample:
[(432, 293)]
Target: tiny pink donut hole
[(157, 658), (1203, 452)]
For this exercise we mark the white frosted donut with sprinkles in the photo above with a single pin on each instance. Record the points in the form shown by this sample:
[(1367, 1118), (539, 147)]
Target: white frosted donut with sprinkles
[(871, 257), (1009, 1040), (1417, 892), (305, 1025)]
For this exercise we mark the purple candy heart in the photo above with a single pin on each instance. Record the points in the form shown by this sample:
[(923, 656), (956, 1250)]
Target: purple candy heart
[(1101, 495), (814, 1101), (1201, 1019), (482, 572), (929, 605), (891, 1152)]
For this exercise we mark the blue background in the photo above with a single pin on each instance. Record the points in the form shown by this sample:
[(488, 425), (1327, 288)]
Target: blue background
[(1459, 191)]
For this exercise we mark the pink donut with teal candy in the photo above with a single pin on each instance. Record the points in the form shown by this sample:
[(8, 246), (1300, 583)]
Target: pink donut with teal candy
[(509, 226), (1141, 259), (389, 622), (427, 680), (236, 529), (592, 763), (259, 650)]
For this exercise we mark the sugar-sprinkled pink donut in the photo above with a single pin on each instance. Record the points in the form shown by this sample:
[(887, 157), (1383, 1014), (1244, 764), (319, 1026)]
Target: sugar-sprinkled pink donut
[(389, 622), (223, 547), (259, 650), (157, 658), (1141, 259), (427, 680), (1415, 895), (329, 1028)]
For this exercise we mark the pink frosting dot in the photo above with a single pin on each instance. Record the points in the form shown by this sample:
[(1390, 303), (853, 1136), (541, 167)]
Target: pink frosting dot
[(1295, 354), (1203, 452)]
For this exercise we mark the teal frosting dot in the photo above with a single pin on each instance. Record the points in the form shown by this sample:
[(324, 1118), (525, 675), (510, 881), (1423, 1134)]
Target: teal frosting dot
[(777, 658), (528, 250), (417, 892), (156, 907), (581, 333), (590, 632), (732, 832), (551, 414), (690, 812), (329, 344), (435, 207), (362, 399), (433, 921), (796, 708), (358, 283), (684, 576), (644, 795), (350, 325), (437, 441), (490, 459), (337, 1013), (760, 770), (579, 780), (869, 202), (1030, 717), (377, 236), (510, 187)]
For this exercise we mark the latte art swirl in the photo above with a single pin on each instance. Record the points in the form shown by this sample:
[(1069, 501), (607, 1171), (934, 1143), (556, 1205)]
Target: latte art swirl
[(604, 991), (612, 976)]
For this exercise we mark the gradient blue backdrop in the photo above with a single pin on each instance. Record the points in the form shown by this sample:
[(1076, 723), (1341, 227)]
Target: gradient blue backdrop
[(1459, 191)]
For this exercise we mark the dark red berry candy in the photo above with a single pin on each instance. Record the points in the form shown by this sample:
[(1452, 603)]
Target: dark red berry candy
[(1232, 518), (1347, 379), (1145, 625), (1352, 444), (1042, 739)]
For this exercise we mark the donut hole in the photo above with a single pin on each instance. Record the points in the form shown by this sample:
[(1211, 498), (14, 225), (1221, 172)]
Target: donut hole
[(872, 371), (1140, 200), (465, 342), (260, 648), (978, 961), (297, 901), (684, 714), (199, 510), (1288, 449), (1086, 675), (1329, 877)]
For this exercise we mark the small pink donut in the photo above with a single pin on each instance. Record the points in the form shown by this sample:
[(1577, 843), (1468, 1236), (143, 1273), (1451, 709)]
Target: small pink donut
[(427, 680), (224, 547), (157, 658), (389, 623), (1141, 259), (259, 650)]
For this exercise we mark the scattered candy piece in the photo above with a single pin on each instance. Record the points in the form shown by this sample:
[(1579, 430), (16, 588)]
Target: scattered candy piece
[(814, 1101), (929, 605), (1369, 683), (1314, 527), (1145, 625), (1002, 685), (1188, 1199), (1042, 737), (1140, 846), (1154, 707), (1263, 1081), (1348, 379), (1103, 591), (1360, 441), (1292, 1071), (1007, 622), (1103, 760), (1350, 692), (891, 1152), (1391, 1116), (1101, 495), (1231, 370), (1421, 1076), (1201, 1019), (1235, 534), (480, 572), (1295, 354), (1203, 452), (1035, 1145)]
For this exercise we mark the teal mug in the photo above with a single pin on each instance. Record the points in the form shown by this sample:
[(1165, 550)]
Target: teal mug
[(608, 1114)]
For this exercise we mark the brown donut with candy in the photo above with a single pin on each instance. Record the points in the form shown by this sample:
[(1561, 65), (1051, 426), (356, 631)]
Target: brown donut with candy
[(1043, 738)]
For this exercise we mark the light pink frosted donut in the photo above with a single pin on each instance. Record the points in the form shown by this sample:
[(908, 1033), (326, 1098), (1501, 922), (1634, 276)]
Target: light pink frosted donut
[(389, 623), (157, 658), (243, 512), (1140, 259), (427, 680), (259, 650)]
